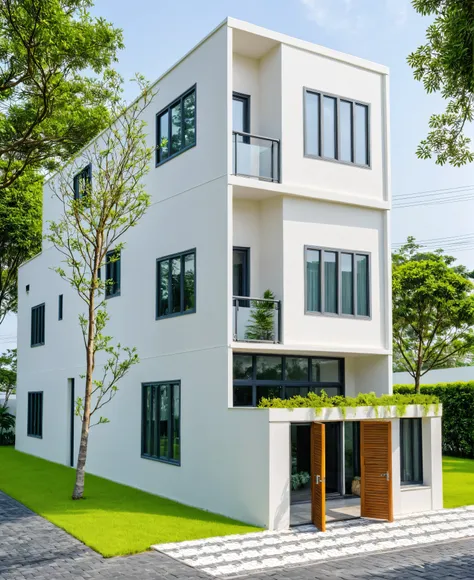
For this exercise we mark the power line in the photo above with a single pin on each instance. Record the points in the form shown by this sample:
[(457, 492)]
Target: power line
[(436, 201), (431, 191)]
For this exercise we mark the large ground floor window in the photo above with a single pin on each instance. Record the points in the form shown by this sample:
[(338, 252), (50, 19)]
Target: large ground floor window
[(271, 376), (411, 451)]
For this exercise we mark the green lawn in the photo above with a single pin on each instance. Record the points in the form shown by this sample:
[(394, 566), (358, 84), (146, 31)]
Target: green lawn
[(458, 482), (113, 519)]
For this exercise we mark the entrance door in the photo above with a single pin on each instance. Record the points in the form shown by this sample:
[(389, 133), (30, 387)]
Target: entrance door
[(318, 476), (376, 470)]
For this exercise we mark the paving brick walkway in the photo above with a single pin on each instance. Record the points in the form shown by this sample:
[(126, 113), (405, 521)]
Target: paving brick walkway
[(31, 548)]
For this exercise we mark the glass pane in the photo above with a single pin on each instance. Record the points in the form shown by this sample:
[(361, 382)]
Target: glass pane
[(362, 128), (176, 137), (164, 419), (362, 285), (268, 393), (163, 306), (176, 284), (406, 446), (147, 426), (189, 274), (330, 391), (345, 128), (154, 437), (240, 275), (296, 368), (294, 391), (238, 115), (330, 282), (242, 366), (325, 371), (243, 397), (176, 423), (313, 280), (163, 136), (189, 105), (330, 127), (347, 282), (417, 451), (312, 130), (268, 368)]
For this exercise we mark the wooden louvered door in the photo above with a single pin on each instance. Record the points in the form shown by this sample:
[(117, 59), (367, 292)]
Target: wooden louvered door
[(376, 470), (318, 476)]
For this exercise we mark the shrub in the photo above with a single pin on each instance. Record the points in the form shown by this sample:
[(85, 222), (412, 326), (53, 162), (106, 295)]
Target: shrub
[(458, 414)]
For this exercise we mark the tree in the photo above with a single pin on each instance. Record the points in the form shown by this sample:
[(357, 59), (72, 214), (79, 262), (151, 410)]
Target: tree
[(261, 326), (433, 314), (50, 109), (445, 64), (91, 224), (20, 233), (8, 375)]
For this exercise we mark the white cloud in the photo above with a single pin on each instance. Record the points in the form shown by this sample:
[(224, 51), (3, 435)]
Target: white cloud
[(332, 14)]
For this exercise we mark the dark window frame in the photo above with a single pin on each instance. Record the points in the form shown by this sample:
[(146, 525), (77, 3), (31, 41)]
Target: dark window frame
[(246, 277), (34, 424), (338, 252), (167, 110), (419, 443), (86, 175), (37, 337), (113, 290), (337, 159), (245, 99), (156, 385), (182, 256), (60, 306), (253, 383)]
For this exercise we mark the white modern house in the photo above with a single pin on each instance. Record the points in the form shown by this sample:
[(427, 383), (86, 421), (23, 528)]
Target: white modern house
[(276, 176)]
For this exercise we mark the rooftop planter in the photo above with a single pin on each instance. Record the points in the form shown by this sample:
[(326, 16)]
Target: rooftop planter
[(364, 406)]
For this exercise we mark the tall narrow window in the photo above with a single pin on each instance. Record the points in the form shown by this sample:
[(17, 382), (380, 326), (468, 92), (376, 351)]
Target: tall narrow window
[(362, 285), (240, 272), (60, 307), (347, 282), (176, 127), (176, 284), (313, 280), (337, 282), (112, 274), (82, 182), (411, 451), (336, 128), (161, 421), (330, 282), (330, 128), (35, 415), (37, 325), (241, 113)]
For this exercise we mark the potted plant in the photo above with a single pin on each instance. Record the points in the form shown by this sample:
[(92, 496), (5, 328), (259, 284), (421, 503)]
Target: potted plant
[(355, 488)]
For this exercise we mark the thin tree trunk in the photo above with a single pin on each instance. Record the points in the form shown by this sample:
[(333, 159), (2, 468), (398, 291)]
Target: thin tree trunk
[(78, 492)]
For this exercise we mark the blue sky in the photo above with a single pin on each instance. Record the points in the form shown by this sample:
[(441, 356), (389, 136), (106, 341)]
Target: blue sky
[(158, 32)]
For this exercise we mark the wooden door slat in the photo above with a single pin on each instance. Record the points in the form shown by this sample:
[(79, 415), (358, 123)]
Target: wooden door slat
[(318, 467)]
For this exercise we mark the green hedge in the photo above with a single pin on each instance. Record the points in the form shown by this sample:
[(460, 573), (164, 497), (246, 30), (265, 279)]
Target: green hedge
[(458, 414)]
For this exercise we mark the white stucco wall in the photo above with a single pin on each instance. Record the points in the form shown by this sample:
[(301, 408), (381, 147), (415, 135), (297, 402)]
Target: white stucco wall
[(454, 375)]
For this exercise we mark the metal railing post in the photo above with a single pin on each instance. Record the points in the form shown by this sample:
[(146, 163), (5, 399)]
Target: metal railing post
[(235, 154), (236, 318)]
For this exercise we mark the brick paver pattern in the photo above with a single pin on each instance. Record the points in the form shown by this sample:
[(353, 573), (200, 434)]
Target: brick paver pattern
[(33, 548)]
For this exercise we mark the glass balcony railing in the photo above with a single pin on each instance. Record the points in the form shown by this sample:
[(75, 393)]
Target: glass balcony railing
[(256, 319), (255, 156)]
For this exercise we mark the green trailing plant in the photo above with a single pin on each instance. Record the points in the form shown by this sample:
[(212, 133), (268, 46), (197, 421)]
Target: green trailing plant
[(323, 401), (261, 325), (458, 414)]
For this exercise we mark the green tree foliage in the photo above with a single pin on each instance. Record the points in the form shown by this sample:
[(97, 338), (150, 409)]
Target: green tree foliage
[(262, 318), (20, 233), (7, 424), (8, 364), (433, 313), (89, 227), (49, 107), (445, 64)]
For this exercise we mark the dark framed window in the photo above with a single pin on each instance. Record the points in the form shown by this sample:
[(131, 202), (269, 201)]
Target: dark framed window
[(82, 182), (176, 284), (256, 376), (60, 307), (411, 451), (112, 273), (37, 325), (176, 127), (161, 421), (336, 128), (241, 271), (337, 282), (241, 113), (35, 414)]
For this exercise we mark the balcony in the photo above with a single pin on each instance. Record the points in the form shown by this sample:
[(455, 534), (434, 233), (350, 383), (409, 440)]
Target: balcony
[(256, 319), (256, 157)]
